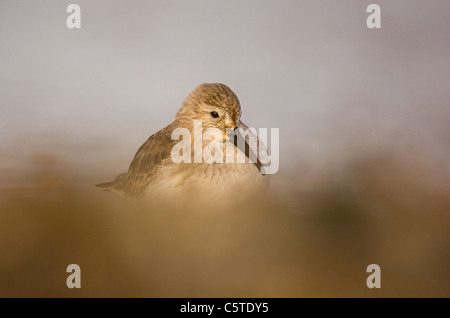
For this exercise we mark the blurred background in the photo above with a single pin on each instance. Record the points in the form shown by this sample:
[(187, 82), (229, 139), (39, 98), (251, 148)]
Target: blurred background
[(364, 148)]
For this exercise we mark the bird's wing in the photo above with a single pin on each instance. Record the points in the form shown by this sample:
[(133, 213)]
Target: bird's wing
[(146, 161), (144, 165)]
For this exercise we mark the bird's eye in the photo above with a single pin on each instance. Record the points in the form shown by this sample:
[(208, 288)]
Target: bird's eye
[(214, 114)]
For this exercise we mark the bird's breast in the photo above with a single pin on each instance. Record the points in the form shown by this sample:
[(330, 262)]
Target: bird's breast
[(223, 180)]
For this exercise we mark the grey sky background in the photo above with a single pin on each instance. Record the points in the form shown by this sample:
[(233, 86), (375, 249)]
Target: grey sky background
[(313, 69)]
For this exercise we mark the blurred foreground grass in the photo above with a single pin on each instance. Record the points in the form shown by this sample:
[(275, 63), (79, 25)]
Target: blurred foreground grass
[(313, 240)]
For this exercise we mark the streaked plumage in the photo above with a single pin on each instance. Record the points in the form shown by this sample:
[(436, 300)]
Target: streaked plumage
[(153, 173)]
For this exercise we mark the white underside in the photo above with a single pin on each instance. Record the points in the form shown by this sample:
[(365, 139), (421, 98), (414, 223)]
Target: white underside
[(198, 180)]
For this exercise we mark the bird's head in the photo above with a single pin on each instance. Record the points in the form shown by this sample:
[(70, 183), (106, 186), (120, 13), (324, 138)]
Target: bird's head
[(215, 104)]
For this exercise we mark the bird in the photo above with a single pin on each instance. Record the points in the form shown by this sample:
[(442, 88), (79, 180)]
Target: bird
[(154, 174)]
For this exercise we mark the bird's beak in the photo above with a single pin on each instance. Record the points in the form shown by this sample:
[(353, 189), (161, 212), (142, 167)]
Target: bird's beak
[(262, 154), (230, 125), (234, 128), (242, 125)]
